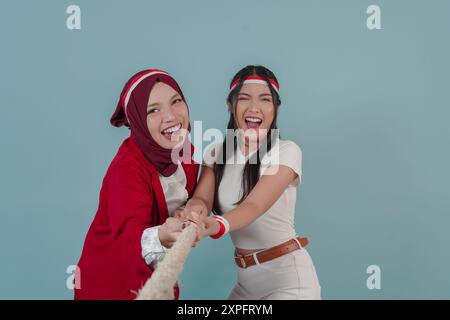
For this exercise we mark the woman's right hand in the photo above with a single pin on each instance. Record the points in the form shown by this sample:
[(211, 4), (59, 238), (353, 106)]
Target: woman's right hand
[(169, 231)]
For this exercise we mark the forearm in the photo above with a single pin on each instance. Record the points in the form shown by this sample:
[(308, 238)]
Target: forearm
[(204, 192), (242, 215), (237, 218)]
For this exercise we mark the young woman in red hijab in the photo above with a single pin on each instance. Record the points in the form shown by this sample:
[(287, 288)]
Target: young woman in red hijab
[(151, 176)]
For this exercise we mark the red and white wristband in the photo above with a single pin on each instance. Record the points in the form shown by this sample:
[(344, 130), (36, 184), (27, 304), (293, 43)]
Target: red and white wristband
[(224, 227)]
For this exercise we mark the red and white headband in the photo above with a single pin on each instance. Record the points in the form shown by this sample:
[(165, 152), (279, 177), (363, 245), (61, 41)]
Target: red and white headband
[(256, 79), (135, 83)]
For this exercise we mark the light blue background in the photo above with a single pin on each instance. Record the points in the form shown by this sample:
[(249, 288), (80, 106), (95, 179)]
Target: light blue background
[(370, 110)]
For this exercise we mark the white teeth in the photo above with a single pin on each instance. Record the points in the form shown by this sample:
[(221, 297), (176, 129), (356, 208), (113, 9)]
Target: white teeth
[(173, 129), (253, 120)]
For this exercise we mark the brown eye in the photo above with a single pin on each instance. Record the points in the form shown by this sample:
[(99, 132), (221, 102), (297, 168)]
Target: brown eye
[(177, 101), (153, 110)]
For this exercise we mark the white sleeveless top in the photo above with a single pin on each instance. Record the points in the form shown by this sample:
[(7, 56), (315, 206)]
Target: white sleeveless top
[(276, 225)]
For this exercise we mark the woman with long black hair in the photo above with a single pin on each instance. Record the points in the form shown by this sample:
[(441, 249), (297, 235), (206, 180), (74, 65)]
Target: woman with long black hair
[(250, 181)]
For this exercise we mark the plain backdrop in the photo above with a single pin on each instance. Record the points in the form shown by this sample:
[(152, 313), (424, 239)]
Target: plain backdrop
[(369, 108)]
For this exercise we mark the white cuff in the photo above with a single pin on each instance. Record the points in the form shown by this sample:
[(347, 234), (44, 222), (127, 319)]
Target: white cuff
[(152, 249)]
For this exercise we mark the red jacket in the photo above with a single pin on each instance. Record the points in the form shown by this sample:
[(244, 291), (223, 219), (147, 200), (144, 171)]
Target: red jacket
[(131, 199)]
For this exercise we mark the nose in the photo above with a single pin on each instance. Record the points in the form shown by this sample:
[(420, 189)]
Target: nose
[(254, 107), (167, 115)]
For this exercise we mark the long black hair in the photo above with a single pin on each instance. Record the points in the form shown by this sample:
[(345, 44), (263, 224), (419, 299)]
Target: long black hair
[(252, 166)]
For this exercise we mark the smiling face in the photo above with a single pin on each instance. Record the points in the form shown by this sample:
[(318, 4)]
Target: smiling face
[(255, 110), (167, 116)]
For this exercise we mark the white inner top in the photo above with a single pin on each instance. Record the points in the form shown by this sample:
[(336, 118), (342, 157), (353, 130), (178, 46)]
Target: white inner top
[(276, 225), (174, 188)]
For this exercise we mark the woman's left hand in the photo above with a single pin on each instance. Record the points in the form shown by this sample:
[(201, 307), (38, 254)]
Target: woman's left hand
[(193, 218)]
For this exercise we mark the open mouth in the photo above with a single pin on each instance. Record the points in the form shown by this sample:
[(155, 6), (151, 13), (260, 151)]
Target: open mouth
[(253, 122), (171, 131)]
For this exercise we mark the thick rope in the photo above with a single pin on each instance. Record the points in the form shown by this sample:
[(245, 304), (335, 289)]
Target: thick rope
[(161, 284)]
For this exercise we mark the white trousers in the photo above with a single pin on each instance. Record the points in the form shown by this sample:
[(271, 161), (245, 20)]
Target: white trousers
[(289, 277)]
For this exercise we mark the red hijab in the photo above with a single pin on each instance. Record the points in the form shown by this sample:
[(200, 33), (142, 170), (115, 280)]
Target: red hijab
[(131, 111)]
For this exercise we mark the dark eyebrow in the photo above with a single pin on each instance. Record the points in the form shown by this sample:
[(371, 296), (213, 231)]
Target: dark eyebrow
[(261, 95), (153, 105)]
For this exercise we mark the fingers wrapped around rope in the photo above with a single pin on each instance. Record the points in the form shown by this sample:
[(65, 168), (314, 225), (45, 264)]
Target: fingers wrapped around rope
[(160, 286)]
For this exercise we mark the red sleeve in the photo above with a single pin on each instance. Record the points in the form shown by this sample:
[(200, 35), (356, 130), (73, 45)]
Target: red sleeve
[(129, 208)]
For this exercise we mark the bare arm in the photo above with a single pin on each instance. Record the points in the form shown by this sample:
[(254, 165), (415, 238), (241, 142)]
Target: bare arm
[(265, 193), (203, 197)]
